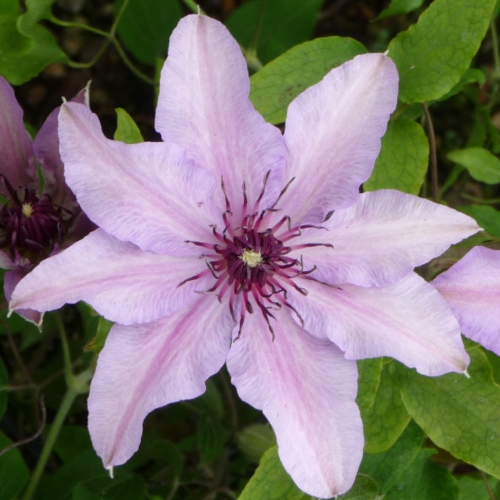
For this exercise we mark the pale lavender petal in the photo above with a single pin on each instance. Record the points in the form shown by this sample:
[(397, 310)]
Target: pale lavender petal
[(307, 390), (145, 193), (333, 131), (46, 149), (472, 289), (408, 321), (382, 238), (15, 144), (143, 367), (6, 261), (204, 106), (120, 281), (10, 281)]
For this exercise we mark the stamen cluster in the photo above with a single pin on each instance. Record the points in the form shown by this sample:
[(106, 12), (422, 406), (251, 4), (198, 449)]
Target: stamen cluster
[(250, 261)]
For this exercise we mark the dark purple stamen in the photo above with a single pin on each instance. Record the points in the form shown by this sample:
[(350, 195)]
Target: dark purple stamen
[(253, 264)]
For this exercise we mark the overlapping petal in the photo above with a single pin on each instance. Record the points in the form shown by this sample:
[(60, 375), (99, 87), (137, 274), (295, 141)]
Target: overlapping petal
[(10, 281), (472, 289), (46, 149), (382, 237), (145, 193), (333, 131), (306, 389), (204, 107), (143, 367), (15, 146), (408, 321), (122, 282)]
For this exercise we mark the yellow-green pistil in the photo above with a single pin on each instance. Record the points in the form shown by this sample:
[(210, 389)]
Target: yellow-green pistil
[(251, 258)]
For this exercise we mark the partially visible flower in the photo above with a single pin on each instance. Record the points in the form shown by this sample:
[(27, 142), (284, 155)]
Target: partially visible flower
[(233, 241), (472, 289), (33, 224)]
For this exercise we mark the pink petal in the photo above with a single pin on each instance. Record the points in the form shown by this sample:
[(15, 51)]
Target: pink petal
[(333, 131), (382, 237), (204, 107), (46, 148), (120, 281), (472, 289), (15, 144), (408, 321), (143, 367), (144, 193), (306, 389), (10, 281)]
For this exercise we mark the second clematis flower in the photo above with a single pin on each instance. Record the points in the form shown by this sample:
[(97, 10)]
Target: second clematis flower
[(34, 223), (230, 242)]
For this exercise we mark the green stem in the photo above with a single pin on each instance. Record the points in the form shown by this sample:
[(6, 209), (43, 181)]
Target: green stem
[(481, 201), (496, 54), (195, 8), (68, 372), (66, 404)]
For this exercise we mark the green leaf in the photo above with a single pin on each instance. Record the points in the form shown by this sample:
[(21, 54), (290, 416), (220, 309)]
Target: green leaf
[(210, 401), (364, 488), (387, 417), (255, 440), (475, 489), (399, 7), (481, 164), (26, 47), (470, 76), (13, 472), (369, 375), (81, 492), (71, 441), (271, 481), (97, 343), (285, 23), (434, 53), (487, 217), (387, 468), (4, 380), (212, 436), (275, 86), (425, 480), (127, 130), (145, 27), (459, 414), (403, 159)]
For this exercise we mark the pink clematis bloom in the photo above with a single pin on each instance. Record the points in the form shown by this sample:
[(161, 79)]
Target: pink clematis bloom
[(33, 224), (472, 289), (219, 245)]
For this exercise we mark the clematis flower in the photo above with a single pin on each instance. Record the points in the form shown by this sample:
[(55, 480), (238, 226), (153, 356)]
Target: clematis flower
[(230, 242), (33, 224), (472, 289)]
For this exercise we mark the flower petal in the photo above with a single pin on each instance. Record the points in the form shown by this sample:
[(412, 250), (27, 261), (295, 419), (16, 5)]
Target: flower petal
[(408, 321), (10, 281), (333, 131), (15, 146), (381, 238), (204, 107), (120, 281), (143, 367), (144, 193), (46, 148), (472, 289), (307, 390)]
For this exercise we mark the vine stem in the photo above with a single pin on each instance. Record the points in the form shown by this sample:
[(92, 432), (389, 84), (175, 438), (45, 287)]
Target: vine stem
[(432, 144)]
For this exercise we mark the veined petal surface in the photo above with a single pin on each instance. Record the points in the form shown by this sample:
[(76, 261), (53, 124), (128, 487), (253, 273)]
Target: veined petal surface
[(120, 281), (408, 321), (382, 238), (145, 193), (143, 367), (472, 289), (307, 390), (204, 107), (333, 131), (16, 145)]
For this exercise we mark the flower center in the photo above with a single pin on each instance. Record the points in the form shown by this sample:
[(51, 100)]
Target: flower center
[(31, 225), (251, 258), (250, 261)]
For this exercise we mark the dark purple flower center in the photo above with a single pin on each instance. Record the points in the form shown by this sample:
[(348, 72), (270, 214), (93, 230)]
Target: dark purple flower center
[(250, 261), (32, 225)]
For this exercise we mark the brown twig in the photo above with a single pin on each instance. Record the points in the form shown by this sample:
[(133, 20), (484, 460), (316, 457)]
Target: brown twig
[(432, 144)]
